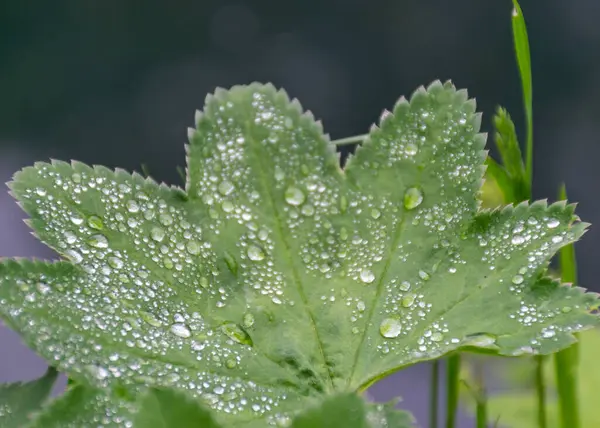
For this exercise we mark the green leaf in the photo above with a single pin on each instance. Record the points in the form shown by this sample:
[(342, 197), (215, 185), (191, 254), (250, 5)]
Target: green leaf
[(277, 279), (83, 406), (521, 43), (350, 411), (519, 408), (19, 400), (163, 408)]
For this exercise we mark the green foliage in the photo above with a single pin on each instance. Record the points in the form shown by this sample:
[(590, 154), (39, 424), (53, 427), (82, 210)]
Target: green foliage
[(516, 408), (19, 400), (276, 279)]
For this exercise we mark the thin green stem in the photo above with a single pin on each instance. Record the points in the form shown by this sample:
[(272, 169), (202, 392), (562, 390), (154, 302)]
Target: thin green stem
[(540, 387), (434, 394), (481, 408), (567, 360), (355, 139), (452, 389)]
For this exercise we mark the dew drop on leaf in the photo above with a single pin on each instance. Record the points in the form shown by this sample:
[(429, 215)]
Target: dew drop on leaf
[(98, 241), (236, 333), (553, 223), (95, 222), (157, 234), (294, 196), (413, 197), (115, 262), (225, 187), (517, 279), (390, 328), (408, 300), (76, 220), (165, 219), (181, 330), (248, 320), (255, 253), (132, 206), (193, 247), (367, 276), (482, 340), (411, 149), (437, 337), (150, 319), (74, 256)]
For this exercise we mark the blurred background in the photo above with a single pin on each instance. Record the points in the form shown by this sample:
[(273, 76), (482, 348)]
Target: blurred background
[(116, 82)]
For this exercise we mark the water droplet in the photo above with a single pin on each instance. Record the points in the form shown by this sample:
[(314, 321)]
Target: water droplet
[(227, 206), (375, 213), (294, 196), (74, 256), (70, 237), (517, 240), (168, 263), (566, 309), (115, 262), (237, 333), (76, 220), (553, 223), (481, 340), (437, 336), (424, 275), (248, 320), (157, 234), (165, 219), (230, 363), (279, 174), (132, 206), (98, 372), (307, 210), (95, 222), (255, 253), (181, 330), (225, 187), (390, 328), (517, 279), (404, 286), (408, 300), (367, 276), (98, 241), (557, 239), (361, 306), (413, 197), (40, 191), (193, 247), (411, 149)]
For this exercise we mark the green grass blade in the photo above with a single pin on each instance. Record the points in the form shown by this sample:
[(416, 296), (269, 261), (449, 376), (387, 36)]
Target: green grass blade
[(452, 389), (566, 361), (540, 388), (521, 42)]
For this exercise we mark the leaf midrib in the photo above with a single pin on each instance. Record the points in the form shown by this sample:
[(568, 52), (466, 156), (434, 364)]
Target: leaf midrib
[(287, 256)]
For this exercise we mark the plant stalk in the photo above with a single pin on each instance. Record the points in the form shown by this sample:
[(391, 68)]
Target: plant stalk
[(540, 388), (452, 389), (355, 139)]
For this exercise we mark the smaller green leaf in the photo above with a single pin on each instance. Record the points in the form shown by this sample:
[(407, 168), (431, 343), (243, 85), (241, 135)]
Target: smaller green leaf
[(508, 144), (162, 408), (497, 187), (19, 400), (351, 411)]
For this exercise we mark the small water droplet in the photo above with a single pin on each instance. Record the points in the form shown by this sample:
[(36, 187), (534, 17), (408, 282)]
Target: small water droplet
[(307, 210), (255, 253), (517, 240), (481, 340), (404, 286), (230, 363), (225, 187), (157, 234), (70, 237), (437, 336), (408, 300), (367, 276), (150, 319), (553, 223), (279, 174), (74, 256), (517, 279), (115, 262), (375, 213), (193, 247), (413, 197), (181, 330), (411, 149), (132, 206), (165, 219), (361, 306), (237, 333), (76, 220), (424, 275), (557, 239), (98, 241), (227, 206), (294, 196), (40, 191), (566, 309), (390, 328), (95, 222)]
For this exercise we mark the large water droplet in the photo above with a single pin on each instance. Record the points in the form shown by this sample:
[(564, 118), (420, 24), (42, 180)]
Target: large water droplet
[(367, 276), (294, 196), (98, 241), (481, 340), (95, 222), (237, 333), (193, 247), (255, 253), (74, 256), (517, 240), (115, 262), (413, 197), (553, 223), (225, 187), (165, 219), (132, 206), (157, 234), (437, 337), (390, 328), (76, 220), (408, 300), (517, 279), (181, 330), (411, 149)]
